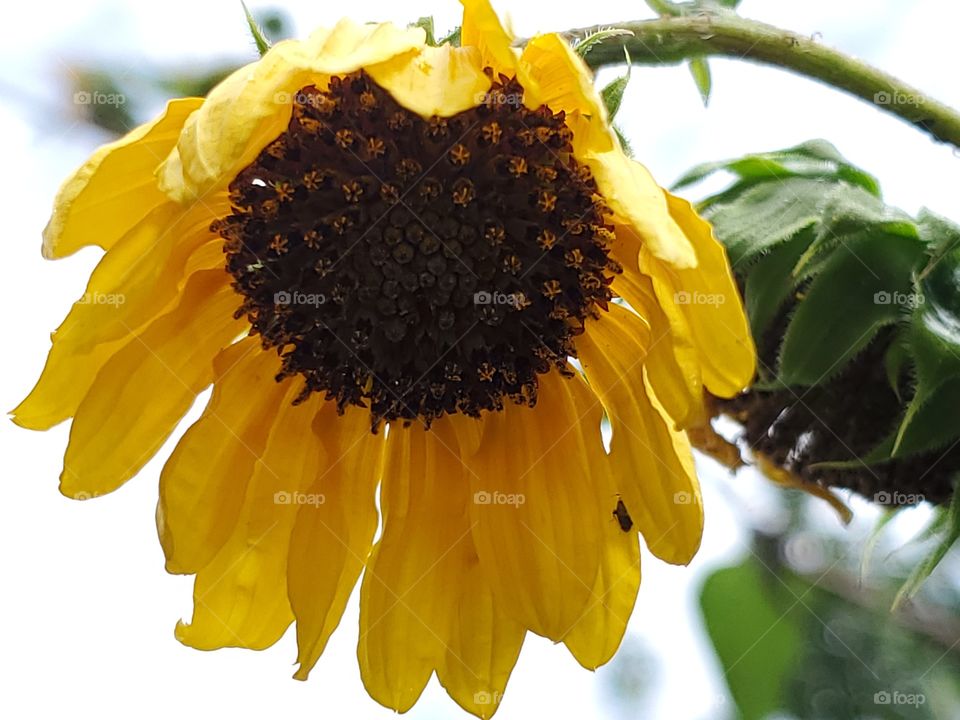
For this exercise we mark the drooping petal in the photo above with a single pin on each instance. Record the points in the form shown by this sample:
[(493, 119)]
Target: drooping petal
[(481, 28), (708, 299), (203, 482), (252, 106), (331, 540), (482, 646), (405, 612), (672, 365), (535, 513), (597, 635), (658, 487), (142, 392), (552, 74), (134, 283), (240, 598), (440, 81), (115, 187), (483, 641), (634, 196)]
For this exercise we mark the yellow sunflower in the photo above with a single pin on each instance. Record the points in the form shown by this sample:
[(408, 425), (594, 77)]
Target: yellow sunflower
[(385, 256)]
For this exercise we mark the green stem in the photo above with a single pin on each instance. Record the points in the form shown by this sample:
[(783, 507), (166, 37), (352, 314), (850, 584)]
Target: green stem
[(670, 40)]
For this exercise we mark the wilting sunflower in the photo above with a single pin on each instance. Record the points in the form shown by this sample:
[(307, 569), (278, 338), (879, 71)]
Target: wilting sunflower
[(384, 257)]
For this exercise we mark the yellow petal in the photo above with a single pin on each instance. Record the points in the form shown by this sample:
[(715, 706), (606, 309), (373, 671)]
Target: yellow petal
[(707, 297), (252, 106), (440, 81), (481, 28), (116, 187), (134, 283), (64, 382), (468, 431), (672, 364), (402, 616), (483, 643), (143, 391), (202, 483), (659, 489), (535, 511), (594, 640), (552, 74), (331, 541), (634, 196), (240, 598)]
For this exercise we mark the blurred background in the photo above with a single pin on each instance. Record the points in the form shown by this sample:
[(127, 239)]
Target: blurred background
[(778, 617)]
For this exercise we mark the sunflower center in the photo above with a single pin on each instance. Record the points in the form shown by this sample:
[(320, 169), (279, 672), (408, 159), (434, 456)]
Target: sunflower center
[(418, 266)]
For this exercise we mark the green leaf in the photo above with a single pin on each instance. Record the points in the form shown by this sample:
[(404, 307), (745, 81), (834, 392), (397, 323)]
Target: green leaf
[(758, 630), (770, 282), (846, 210), (895, 362), (426, 23), (612, 94), (814, 159), (934, 341), (700, 69), (858, 292), (590, 41), (259, 37), (929, 564), (870, 545), (766, 215), (940, 234), (932, 424)]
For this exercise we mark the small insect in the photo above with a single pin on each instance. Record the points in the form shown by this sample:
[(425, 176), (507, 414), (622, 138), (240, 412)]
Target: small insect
[(622, 516)]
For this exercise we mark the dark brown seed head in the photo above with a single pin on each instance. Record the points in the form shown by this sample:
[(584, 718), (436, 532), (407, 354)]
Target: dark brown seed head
[(417, 266)]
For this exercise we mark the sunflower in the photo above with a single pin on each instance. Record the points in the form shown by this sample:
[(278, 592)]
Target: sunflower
[(424, 274)]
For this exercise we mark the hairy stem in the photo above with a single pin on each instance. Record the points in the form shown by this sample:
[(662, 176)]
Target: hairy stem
[(673, 39)]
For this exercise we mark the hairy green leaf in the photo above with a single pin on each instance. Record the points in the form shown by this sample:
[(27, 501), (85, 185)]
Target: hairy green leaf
[(859, 291), (814, 159), (932, 419), (770, 282), (929, 564), (700, 69), (766, 215), (612, 94), (259, 37)]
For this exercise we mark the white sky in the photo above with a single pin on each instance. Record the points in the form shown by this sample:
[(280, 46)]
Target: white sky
[(89, 611)]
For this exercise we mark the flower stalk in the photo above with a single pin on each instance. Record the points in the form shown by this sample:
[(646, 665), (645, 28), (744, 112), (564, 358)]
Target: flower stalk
[(673, 39)]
